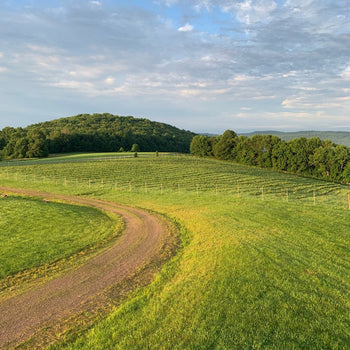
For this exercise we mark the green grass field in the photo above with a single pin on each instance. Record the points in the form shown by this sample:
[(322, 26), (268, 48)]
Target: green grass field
[(264, 261), (166, 174), (35, 233)]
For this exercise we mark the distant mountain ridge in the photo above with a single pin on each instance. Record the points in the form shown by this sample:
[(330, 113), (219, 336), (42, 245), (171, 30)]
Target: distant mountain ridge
[(337, 137)]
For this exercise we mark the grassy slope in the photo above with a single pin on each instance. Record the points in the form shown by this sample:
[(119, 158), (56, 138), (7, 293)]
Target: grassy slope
[(34, 232), (252, 273)]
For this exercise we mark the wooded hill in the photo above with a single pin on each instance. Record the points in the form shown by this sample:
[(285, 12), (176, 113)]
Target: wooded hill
[(92, 133), (338, 137)]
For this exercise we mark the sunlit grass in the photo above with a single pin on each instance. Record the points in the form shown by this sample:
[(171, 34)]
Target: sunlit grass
[(166, 174), (257, 268), (253, 275), (34, 232)]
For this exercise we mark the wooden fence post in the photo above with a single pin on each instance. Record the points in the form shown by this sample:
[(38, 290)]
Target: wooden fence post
[(314, 197)]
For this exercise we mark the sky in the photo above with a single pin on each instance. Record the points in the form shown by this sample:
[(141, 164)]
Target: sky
[(200, 65)]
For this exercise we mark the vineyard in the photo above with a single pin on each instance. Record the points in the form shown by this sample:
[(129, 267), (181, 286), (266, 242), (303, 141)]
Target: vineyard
[(168, 174), (263, 258)]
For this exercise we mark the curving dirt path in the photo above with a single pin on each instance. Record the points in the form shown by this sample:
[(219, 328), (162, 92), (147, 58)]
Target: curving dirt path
[(145, 237)]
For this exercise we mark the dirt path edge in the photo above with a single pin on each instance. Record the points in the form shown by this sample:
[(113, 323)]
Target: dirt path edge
[(148, 240)]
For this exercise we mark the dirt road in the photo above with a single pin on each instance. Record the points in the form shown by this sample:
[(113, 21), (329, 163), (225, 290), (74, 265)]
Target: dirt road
[(145, 236)]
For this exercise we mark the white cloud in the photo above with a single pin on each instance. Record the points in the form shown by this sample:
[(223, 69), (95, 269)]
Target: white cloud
[(346, 73), (203, 4), (169, 2), (95, 3), (73, 84), (110, 80), (186, 28), (288, 62), (317, 102), (320, 16), (251, 11)]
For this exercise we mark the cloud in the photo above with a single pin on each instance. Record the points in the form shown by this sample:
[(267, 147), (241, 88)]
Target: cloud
[(109, 81), (186, 28), (169, 2), (346, 73), (95, 3), (73, 84), (246, 11), (291, 57), (251, 11)]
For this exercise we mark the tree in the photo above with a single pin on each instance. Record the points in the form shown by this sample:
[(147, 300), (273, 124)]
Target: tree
[(200, 146), (323, 159), (243, 152), (280, 156), (346, 174), (135, 148), (262, 146), (37, 145), (225, 145), (299, 161), (21, 148), (342, 156)]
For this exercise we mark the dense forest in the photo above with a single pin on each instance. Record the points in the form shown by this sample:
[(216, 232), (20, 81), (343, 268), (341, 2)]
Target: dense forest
[(92, 133), (338, 137), (311, 157)]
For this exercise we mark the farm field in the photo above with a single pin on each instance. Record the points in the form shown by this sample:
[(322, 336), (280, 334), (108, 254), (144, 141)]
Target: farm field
[(169, 174), (264, 260), (75, 157)]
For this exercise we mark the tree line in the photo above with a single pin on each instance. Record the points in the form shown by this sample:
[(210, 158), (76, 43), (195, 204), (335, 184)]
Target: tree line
[(92, 133), (310, 157)]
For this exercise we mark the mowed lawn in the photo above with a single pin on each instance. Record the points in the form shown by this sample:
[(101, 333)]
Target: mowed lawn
[(34, 232), (264, 270), (251, 275)]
